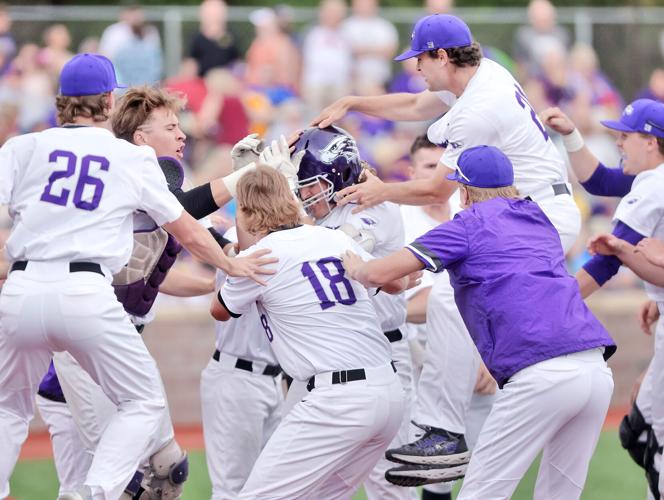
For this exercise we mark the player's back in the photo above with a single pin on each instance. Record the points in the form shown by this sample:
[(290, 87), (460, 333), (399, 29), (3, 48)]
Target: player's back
[(74, 190), (316, 318)]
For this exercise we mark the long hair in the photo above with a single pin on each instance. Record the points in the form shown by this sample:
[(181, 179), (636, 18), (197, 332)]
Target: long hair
[(266, 201)]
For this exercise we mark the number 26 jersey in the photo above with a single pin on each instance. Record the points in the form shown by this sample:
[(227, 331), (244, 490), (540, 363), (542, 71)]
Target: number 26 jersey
[(72, 191), (316, 319)]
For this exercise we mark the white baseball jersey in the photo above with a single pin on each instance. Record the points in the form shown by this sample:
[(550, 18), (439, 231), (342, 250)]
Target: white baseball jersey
[(384, 222), (69, 189), (316, 319), (494, 110), (643, 210)]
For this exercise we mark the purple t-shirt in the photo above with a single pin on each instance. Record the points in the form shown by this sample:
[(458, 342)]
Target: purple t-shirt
[(517, 299)]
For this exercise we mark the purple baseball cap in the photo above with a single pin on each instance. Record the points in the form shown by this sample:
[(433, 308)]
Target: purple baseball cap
[(483, 167), (88, 74), (437, 31), (645, 116)]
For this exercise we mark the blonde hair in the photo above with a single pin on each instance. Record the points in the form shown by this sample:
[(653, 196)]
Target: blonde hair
[(265, 200), (476, 194), (134, 108), (97, 107)]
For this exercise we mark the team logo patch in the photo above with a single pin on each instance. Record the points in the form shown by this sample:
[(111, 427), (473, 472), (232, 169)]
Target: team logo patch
[(631, 201), (629, 110), (368, 221), (339, 146)]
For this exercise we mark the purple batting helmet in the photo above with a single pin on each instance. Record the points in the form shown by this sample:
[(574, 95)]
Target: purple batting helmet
[(331, 157)]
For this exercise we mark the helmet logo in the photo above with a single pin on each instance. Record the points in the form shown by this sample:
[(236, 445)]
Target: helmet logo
[(341, 145)]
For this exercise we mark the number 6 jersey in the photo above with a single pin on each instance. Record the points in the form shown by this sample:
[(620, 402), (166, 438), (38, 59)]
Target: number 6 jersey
[(316, 319), (71, 193)]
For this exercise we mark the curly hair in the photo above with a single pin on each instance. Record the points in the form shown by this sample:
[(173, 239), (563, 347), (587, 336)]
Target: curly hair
[(97, 107), (467, 56)]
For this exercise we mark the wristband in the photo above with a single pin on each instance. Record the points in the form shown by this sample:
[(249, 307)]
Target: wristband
[(573, 142), (231, 180)]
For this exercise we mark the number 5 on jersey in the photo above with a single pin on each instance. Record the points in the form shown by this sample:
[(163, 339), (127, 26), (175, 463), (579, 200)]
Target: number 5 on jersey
[(70, 162)]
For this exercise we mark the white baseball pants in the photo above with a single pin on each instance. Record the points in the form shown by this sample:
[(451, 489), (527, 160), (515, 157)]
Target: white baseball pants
[(565, 217), (240, 411), (72, 461), (46, 309), (331, 440), (558, 406), (376, 486)]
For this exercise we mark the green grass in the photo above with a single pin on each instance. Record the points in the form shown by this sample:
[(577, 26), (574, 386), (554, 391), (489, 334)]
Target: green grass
[(612, 475)]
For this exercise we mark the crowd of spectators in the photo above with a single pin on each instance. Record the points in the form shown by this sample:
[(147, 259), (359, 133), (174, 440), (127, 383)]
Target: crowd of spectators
[(288, 73)]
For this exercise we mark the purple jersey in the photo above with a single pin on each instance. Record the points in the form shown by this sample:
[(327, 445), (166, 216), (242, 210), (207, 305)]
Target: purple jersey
[(518, 301)]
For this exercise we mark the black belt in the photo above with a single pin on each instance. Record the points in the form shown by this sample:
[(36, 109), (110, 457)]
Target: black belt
[(557, 189), (393, 335), (343, 376), (74, 267), (246, 365)]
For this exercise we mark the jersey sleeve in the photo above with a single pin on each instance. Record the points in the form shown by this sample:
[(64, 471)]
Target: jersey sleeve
[(467, 130), (8, 169), (238, 294), (156, 198), (443, 246), (643, 207)]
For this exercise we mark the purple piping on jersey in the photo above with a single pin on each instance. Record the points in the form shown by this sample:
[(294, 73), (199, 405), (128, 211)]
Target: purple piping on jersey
[(608, 182), (604, 267), (138, 297)]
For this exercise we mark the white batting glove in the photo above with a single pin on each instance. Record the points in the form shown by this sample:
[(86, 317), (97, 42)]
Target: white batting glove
[(246, 151), (277, 156)]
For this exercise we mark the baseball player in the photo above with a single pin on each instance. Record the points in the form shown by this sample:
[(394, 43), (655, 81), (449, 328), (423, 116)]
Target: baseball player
[(241, 399), (147, 116), (483, 104), (638, 216), (329, 162), (323, 329), (529, 322), (71, 191), (448, 388)]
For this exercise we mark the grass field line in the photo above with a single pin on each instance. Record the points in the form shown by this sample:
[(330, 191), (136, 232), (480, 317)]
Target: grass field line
[(190, 437)]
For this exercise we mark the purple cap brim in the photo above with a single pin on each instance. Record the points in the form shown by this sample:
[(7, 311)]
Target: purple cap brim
[(616, 125), (408, 54)]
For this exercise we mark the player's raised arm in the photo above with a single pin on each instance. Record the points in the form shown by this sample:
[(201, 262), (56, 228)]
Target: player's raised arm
[(398, 107)]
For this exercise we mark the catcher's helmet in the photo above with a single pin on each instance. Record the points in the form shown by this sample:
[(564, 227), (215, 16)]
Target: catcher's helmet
[(331, 157)]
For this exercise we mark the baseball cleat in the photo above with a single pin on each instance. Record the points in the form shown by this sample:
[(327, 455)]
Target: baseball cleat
[(435, 447), (418, 475)]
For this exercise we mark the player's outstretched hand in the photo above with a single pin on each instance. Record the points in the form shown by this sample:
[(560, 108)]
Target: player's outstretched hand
[(414, 279), (485, 384), (246, 151), (252, 265), (557, 120), (648, 315), (334, 112), (365, 194), (352, 263), (653, 250), (606, 244)]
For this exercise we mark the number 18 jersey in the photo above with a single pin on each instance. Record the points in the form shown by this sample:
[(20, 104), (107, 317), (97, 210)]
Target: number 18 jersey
[(316, 319), (71, 193)]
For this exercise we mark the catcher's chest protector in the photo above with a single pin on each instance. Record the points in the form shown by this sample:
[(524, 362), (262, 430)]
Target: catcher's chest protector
[(137, 285)]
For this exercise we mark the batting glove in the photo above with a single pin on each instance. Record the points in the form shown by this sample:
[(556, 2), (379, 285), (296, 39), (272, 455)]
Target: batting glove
[(277, 156), (246, 151)]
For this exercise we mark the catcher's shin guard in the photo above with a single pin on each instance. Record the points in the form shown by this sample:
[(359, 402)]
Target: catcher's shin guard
[(652, 473), (633, 435), (169, 469)]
